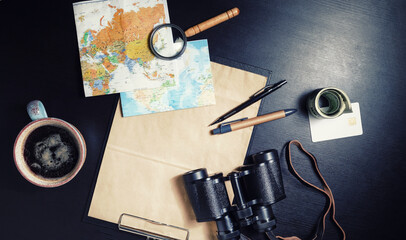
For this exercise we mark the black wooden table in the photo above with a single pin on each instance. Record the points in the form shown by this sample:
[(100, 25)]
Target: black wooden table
[(358, 46)]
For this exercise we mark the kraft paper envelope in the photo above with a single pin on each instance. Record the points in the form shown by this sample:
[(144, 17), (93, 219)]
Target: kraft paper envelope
[(145, 156)]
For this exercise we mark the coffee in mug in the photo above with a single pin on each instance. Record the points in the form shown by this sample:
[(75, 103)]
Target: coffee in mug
[(48, 152)]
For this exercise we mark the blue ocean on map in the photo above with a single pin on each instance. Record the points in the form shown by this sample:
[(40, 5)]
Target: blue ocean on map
[(131, 104), (194, 88)]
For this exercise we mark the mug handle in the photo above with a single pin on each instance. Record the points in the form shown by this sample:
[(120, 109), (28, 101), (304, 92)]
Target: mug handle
[(36, 110)]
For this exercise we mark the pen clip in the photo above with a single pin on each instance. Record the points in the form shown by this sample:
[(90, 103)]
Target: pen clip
[(269, 87), (238, 120), (262, 90)]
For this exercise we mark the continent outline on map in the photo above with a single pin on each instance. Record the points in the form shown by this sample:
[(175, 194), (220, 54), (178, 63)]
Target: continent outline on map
[(114, 52)]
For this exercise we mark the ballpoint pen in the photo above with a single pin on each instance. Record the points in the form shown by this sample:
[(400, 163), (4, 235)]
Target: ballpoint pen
[(254, 98), (244, 123)]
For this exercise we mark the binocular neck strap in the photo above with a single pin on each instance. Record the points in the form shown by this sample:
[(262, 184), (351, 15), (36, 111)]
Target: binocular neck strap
[(326, 190)]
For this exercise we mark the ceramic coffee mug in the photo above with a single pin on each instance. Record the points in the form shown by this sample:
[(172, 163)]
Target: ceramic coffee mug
[(48, 152)]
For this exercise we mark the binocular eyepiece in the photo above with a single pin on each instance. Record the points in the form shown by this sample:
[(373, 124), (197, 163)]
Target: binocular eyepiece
[(256, 187)]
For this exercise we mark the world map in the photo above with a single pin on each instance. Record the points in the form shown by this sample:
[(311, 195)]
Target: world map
[(113, 46), (195, 87)]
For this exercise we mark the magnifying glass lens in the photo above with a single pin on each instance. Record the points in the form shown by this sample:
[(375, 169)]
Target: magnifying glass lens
[(168, 41)]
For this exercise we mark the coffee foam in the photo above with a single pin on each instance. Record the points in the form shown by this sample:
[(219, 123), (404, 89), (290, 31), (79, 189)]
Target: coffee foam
[(52, 153)]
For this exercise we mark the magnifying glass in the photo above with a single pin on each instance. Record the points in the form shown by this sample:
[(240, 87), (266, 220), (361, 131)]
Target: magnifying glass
[(168, 41)]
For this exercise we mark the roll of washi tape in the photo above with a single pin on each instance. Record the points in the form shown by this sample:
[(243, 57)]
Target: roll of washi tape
[(338, 103)]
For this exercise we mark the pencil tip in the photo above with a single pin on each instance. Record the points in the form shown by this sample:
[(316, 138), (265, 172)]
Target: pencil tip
[(289, 112)]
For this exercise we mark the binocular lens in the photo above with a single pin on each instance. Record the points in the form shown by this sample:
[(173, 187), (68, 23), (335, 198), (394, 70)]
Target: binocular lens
[(195, 175), (270, 155)]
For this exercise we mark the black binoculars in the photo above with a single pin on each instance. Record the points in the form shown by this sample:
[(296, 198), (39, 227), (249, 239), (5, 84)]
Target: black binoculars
[(256, 187)]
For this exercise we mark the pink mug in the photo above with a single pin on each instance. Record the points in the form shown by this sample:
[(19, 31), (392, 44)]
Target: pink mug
[(48, 152)]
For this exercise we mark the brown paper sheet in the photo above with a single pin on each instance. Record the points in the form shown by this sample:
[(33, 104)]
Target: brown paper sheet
[(145, 156)]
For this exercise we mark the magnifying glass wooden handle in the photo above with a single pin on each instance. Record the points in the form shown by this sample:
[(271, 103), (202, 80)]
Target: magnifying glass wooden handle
[(212, 22)]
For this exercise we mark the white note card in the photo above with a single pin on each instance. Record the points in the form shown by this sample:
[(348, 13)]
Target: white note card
[(346, 125)]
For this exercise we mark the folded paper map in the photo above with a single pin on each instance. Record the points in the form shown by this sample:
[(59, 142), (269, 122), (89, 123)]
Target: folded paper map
[(194, 88), (113, 45)]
